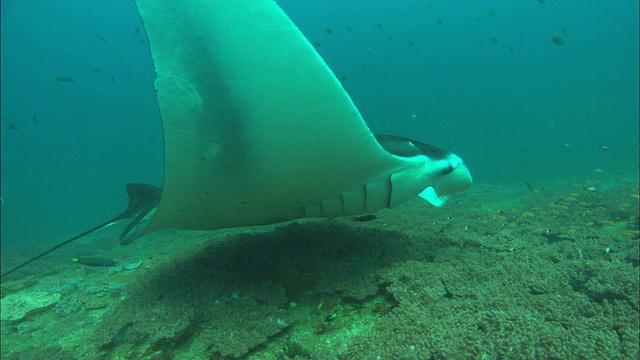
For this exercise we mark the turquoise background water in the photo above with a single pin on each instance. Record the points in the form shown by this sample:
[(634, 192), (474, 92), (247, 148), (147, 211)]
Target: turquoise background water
[(480, 78)]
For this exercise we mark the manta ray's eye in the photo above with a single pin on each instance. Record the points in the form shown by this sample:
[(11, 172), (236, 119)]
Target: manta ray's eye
[(447, 169)]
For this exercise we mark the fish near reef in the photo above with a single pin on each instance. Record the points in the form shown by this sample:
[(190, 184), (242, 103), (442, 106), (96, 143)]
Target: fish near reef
[(94, 261), (557, 40), (364, 218)]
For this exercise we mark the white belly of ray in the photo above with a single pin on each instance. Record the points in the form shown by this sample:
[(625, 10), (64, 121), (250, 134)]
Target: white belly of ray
[(257, 129)]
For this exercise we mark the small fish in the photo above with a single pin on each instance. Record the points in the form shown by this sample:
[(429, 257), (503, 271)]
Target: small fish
[(494, 40), (380, 26), (10, 127), (364, 218), (113, 79), (604, 147), (349, 28), (557, 40), (391, 37), (94, 261), (439, 21), (598, 170), (137, 29), (34, 119), (63, 79), (328, 31), (344, 78), (143, 42), (96, 70), (590, 188), (529, 186), (411, 43), (102, 38)]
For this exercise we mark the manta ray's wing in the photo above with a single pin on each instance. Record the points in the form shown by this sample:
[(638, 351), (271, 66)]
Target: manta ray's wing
[(257, 128)]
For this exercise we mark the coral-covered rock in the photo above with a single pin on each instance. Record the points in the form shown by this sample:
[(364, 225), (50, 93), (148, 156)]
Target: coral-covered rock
[(18, 305)]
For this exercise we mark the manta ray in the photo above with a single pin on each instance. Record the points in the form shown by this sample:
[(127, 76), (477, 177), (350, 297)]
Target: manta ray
[(258, 130)]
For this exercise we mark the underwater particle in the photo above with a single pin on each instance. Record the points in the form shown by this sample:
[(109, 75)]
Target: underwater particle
[(604, 147), (328, 31), (94, 261), (557, 40)]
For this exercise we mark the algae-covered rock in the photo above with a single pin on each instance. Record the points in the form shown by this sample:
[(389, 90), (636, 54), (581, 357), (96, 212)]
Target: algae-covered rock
[(18, 305)]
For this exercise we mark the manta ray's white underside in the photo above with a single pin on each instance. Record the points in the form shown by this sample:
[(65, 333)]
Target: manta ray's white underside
[(257, 128)]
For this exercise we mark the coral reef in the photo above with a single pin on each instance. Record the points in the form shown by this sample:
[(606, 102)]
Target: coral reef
[(19, 305), (537, 275)]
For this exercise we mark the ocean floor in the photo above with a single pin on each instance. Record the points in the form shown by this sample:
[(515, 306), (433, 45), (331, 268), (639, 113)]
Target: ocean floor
[(498, 273)]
